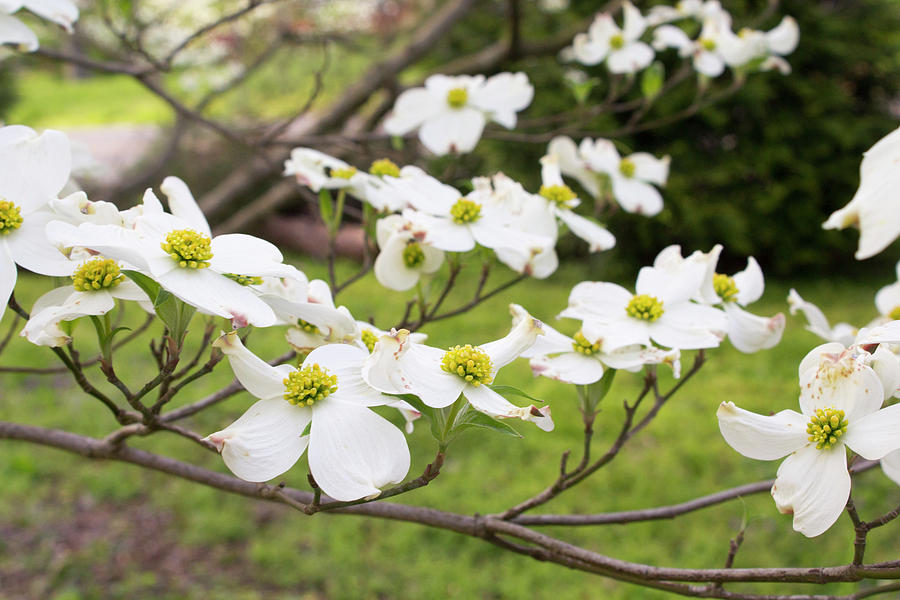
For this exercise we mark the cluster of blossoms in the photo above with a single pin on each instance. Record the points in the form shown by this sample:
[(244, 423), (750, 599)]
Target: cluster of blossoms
[(15, 33), (704, 33)]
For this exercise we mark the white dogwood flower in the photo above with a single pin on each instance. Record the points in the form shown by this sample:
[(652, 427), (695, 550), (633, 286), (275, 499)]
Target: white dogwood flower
[(317, 170), (817, 322), (875, 208), (316, 321), (406, 253), (451, 112), (716, 47), (621, 48), (352, 451), (840, 398), (438, 377)]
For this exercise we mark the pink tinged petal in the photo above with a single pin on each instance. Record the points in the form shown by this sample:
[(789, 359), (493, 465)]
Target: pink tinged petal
[(708, 63), (520, 338), (346, 361), (14, 32), (649, 168), (812, 358), (353, 451), (31, 249), (630, 59), (62, 12), (750, 333), (762, 437), (413, 107), (456, 131), (216, 294), (750, 283), (8, 275), (598, 237), (183, 205), (256, 375), (636, 196), (486, 400), (265, 441), (502, 96), (33, 168), (814, 485), (43, 327), (841, 382), (890, 464), (875, 435), (570, 367), (689, 327)]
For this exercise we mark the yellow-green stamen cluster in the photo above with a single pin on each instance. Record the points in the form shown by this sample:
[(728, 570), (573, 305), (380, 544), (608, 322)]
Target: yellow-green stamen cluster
[(457, 97), (626, 167), (343, 172), (617, 41), (826, 428), (385, 167), (465, 211), (190, 249), (708, 44), (369, 339), (307, 326), (306, 386), (10, 217), (644, 307), (559, 195), (469, 362), (244, 279), (725, 287), (894, 315), (413, 255), (583, 346), (97, 274)]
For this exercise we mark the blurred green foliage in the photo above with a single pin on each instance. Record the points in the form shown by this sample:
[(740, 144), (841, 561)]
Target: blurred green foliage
[(7, 90)]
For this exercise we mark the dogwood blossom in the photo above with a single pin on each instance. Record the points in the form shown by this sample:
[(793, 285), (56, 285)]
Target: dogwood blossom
[(400, 365), (684, 9), (631, 177), (406, 253), (875, 208), (317, 321), (817, 322), (451, 112), (352, 451), (840, 398), (317, 170), (621, 48), (716, 47)]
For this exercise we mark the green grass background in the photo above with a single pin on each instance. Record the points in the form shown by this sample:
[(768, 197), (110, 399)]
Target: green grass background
[(75, 529)]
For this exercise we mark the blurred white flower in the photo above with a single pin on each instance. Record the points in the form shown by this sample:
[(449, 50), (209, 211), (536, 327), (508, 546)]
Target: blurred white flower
[(406, 253), (621, 48)]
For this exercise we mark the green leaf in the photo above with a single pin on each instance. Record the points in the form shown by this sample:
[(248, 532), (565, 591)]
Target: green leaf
[(434, 415), (473, 418), (150, 287), (397, 142), (326, 210), (508, 390), (652, 80)]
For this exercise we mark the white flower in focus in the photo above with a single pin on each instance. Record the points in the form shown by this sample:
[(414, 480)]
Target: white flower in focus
[(406, 253), (317, 321), (661, 311), (620, 48), (817, 322), (630, 177), (875, 208), (451, 112), (97, 283), (401, 366), (840, 398), (352, 451)]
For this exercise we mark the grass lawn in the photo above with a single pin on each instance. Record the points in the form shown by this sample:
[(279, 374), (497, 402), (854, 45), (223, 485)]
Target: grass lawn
[(74, 529)]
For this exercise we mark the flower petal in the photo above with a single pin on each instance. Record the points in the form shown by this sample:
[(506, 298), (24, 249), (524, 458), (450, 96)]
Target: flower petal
[(413, 107), (762, 437), (218, 295), (33, 168), (43, 327), (493, 404), (630, 59), (751, 333), (890, 464), (346, 361), (183, 205), (520, 338), (636, 196), (593, 233), (8, 276), (455, 131), (16, 33), (570, 367), (750, 283), (876, 434), (256, 375)]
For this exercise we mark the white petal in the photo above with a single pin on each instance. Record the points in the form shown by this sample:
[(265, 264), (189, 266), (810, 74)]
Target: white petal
[(632, 358), (649, 168), (571, 164), (813, 485), (256, 375), (62, 12), (669, 36), (597, 300), (708, 63), (888, 298), (218, 295), (353, 451), (111, 241), (593, 233), (630, 59), (31, 249), (455, 131), (493, 404), (43, 327), (601, 155), (750, 283), (503, 95), (689, 326), (876, 434), (16, 33), (750, 333), (891, 466), (390, 268), (413, 107), (243, 254), (510, 347), (617, 334), (570, 367), (183, 205), (8, 275), (886, 365), (636, 196), (818, 324), (672, 284), (589, 51), (265, 441), (634, 22), (783, 39), (33, 168), (839, 381), (447, 235), (762, 437), (346, 361)]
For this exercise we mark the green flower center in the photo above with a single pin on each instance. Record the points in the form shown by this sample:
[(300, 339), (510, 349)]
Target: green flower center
[(894, 315), (385, 167), (725, 287), (708, 44), (306, 386), (583, 346), (560, 195), (465, 211), (826, 428), (369, 339), (343, 172), (97, 274), (307, 326), (617, 41), (10, 217), (626, 167), (244, 279), (413, 255), (191, 250), (469, 362), (457, 97), (644, 307)]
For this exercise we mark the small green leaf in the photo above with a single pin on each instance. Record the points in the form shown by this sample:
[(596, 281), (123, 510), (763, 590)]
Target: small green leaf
[(150, 287), (326, 210), (397, 142), (508, 390), (652, 80), (434, 415), (473, 418)]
